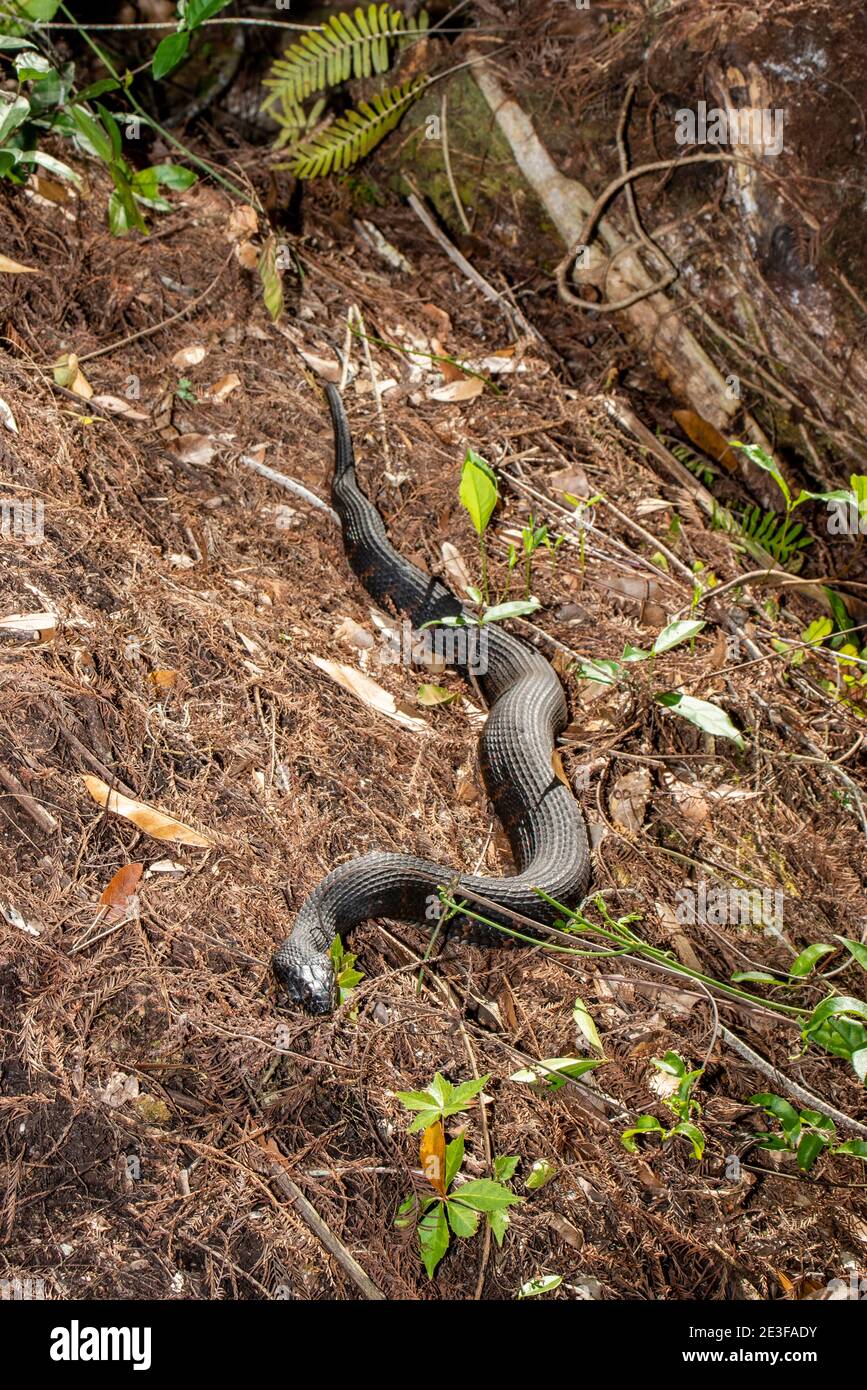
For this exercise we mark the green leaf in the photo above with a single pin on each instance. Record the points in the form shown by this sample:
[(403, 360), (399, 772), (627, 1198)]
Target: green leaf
[(433, 1237), (197, 11), (856, 1147), (174, 176), (856, 949), (478, 492), (465, 1092), (39, 9), (779, 1109), (693, 1134), (517, 608), (756, 977), (584, 1023), (706, 716), (499, 1224), (432, 695), (170, 51), (808, 959), (543, 1283), (505, 1165), (93, 138), (98, 89), (859, 1062), (645, 1124), (631, 653), (354, 134), (603, 672), (757, 455), (463, 1220), (555, 1068), (676, 633), (483, 1194), (540, 1174), (12, 113), (9, 43), (30, 66), (672, 1064), (454, 1159), (809, 1148)]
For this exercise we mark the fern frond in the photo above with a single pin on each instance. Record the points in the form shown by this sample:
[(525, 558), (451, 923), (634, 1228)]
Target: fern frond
[(776, 534), (343, 46), (354, 134)]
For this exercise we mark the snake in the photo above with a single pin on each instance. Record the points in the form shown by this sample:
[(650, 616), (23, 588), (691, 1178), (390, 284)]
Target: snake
[(526, 712)]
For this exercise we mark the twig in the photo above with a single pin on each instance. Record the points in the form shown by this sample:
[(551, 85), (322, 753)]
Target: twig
[(447, 161), (290, 485), (37, 813), (463, 264)]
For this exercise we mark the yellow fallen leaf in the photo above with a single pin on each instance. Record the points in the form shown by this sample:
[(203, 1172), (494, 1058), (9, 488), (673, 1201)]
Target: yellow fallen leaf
[(464, 390), (153, 822), (432, 1154), (8, 267), (369, 693), (223, 388), (163, 678)]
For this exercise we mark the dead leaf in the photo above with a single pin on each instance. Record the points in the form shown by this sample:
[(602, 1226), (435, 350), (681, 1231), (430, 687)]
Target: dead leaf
[(153, 822), (247, 255), (369, 693), (707, 438), (120, 894), (326, 367), (627, 801), (455, 566), (189, 356), (193, 448), (357, 636), (566, 1231), (242, 222), (8, 267), (164, 678), (557, 765), (676, 935), (432, 1156), (464, 390), (116, 406), (222, 388), (689, 800)]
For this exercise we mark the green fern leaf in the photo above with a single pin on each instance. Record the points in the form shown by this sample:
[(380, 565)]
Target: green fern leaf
[(344, 45), (354, 134)]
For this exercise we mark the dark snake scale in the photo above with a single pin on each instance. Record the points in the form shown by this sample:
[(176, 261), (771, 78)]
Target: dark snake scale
[(543, 822)]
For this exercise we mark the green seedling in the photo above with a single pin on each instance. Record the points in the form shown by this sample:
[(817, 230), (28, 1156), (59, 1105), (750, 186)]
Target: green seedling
[(681, 1104), (805, 1133)]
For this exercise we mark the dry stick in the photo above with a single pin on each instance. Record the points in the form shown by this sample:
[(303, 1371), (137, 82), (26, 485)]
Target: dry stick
[(463, 264), (290, 485), (798, 1092), (84, 752), (324, 1234), (37, 813)]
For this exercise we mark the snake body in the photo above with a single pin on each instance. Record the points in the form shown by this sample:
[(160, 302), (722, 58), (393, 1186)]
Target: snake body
[(527, 710)]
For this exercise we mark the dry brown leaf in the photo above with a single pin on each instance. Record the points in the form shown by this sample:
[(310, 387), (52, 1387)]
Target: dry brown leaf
[(326, 367), (432, 1156), (628, 800), (153, 822), (374, 696), (689, 800), (455, 566), (242, 222), (464, 390), (8, 267), (247, 255), (164, 678), (189, 356), (193, 448), (222, 388), (116, 406), (121, 890)]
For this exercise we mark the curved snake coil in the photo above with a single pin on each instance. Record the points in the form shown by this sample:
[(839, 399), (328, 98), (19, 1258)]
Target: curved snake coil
[(543, 822)]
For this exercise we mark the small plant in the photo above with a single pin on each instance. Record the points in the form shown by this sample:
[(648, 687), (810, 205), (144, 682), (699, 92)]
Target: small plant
[(805, 1133), (479, 495), (345, 45), (680, 1103), (185, 391), (453, 1208), (533, 537), (345, 973), (702, 713), (762, 459)]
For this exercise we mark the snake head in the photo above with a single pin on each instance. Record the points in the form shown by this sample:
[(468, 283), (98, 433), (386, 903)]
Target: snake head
[(308, 979)]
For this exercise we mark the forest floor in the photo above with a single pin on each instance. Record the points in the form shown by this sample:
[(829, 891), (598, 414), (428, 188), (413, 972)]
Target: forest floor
[(156, 1093)]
